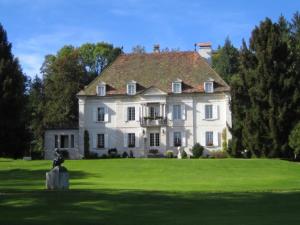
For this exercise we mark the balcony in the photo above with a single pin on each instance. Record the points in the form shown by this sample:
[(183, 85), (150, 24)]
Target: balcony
[(153, 121)]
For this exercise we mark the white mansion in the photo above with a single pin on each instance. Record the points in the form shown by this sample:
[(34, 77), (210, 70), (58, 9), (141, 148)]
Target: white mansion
[(160, 100)]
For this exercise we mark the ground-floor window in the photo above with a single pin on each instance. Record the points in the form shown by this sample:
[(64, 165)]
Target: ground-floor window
[(131, 140), (154, 139), (177, 139), (64, 141), (209, 138), (100, 141)]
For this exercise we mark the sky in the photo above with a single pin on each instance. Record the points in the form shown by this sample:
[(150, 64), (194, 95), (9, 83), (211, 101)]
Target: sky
[(40, 27)]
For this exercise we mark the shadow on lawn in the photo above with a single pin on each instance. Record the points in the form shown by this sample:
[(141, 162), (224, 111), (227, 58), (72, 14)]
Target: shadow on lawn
[(143, 207)]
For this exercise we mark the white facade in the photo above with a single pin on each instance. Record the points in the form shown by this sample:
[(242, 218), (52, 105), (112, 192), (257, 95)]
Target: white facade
[(191, 122)]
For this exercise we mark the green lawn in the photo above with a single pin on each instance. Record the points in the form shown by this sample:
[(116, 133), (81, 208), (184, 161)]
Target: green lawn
[(153, 191)]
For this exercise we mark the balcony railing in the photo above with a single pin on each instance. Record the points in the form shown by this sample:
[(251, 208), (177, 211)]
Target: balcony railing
[(153, 121)]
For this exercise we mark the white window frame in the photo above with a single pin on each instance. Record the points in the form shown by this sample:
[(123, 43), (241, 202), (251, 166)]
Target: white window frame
[(131, 113), (209, 138), (177, 112), (99, 116), (177, 87), (208, 112), (209, 84), (154, 139), (101, 143), (101, 90), (131, 88), (177, 139)]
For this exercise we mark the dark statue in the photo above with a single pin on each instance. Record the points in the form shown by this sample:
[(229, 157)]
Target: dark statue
[(58, 160)]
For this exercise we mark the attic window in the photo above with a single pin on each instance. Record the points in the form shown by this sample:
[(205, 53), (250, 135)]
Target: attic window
[(177, 86), (131, 88), (209, 87), (101, 89)]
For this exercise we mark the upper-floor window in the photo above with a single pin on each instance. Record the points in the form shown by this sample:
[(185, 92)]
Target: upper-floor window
[(131, 88), (177, 87), (208, 111), (101, 114), (176, 112), (101, 90), (209, 87), (131, 113)]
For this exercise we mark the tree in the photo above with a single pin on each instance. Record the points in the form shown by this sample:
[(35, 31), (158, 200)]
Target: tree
[(226, 60), (13, 133), (294, 140), (138, 49)]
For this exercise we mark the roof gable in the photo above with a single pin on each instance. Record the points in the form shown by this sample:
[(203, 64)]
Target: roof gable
[(153, 91)]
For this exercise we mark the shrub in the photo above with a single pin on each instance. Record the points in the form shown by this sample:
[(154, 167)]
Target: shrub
[(183, 155), (197, 150), (224, 140), (104, 156), (294, 140), (169, 154), (92, 155), (153, 151), (125, 155), (64, 153), (113, 153), (218, 154)]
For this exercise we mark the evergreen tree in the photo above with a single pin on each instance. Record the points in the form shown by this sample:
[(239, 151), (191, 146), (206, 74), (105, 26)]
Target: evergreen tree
[(12, 98), (226, 60)]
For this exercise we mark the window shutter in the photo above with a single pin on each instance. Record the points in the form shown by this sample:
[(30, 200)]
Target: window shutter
[(170, 112), (125, 140), (215, 112), (106, 141), (137, 113), (202, 112), (95, 109), (137, 140), (216, 138), (94, 140), (125, 113), (171, 139), (183, 112), (106, 115), (203, 139), (183, 139)]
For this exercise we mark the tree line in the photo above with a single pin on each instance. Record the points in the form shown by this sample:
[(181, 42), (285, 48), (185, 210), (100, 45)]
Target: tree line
[(264, 75)]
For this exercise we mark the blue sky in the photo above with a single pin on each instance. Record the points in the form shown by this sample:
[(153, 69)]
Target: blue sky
[(40, 27)]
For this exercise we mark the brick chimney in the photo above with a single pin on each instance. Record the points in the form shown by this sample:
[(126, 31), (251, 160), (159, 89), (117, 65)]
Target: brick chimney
[(156, 48), (204, 50)]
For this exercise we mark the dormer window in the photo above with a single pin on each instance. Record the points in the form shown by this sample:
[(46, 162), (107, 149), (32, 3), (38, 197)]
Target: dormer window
[(101, 89), (177, 86), (209, 87), (131, 88)]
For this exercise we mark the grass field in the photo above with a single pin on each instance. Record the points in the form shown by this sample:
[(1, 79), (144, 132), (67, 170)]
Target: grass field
[(157, 191)]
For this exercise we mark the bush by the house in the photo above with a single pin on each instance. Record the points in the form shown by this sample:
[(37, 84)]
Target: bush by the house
[(183, 155), (197, 150), (64, 153), (131, 155), (113, 153), (153, 151), (294, 140), (169, 154), (125, 155), (218, 154), (92, 155)]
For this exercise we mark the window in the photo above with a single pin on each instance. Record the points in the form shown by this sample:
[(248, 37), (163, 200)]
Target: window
[(101, 90), (176, 112), (154, 111), (177, 139), (131, 140), (209, 138), (208, 87), (131, 113), (131, 88), (72, 140), (176, 87), (101, 114), (208, 111), (64, 141), (154, 139), (55, 141), (100, 141)]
